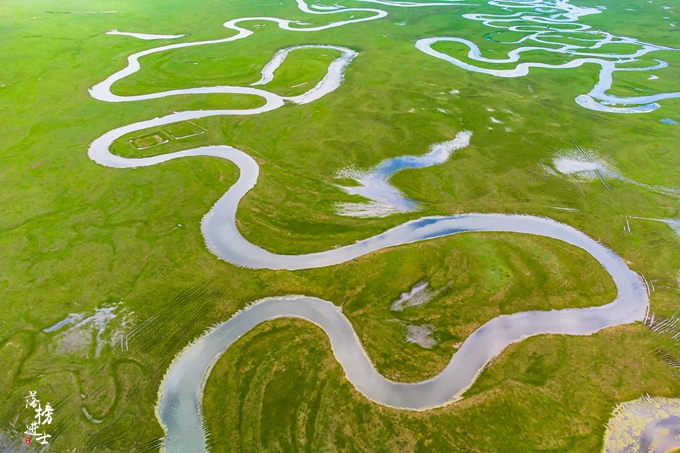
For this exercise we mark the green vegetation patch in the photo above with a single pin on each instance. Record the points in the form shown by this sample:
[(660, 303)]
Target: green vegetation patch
[(76, 236), (147, 141), (183, 130), (279, 388)]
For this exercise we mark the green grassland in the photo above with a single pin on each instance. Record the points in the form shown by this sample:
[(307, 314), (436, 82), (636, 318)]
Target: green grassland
[(545, 394), (75, 235)]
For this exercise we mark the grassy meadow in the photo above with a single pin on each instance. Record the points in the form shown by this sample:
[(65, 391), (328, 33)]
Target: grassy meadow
[(76, 237)]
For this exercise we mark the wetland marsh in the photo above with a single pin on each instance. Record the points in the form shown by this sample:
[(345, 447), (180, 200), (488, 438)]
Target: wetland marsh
[(251, 191)]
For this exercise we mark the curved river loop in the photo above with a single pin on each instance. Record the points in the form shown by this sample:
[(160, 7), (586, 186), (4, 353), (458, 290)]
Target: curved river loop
[(545, 25), (179, 407)]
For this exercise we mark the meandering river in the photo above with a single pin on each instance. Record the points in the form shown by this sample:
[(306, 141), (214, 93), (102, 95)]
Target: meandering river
[(180, 395)]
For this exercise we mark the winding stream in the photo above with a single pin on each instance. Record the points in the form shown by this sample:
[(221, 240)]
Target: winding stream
[(180, 395), (544, 23), (181, 392)]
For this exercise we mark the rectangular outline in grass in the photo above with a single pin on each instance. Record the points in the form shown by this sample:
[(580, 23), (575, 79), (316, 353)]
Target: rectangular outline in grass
[(201, 131), (159, 133)]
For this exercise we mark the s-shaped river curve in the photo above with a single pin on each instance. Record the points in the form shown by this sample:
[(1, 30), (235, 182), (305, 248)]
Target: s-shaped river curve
[(180, 395)]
